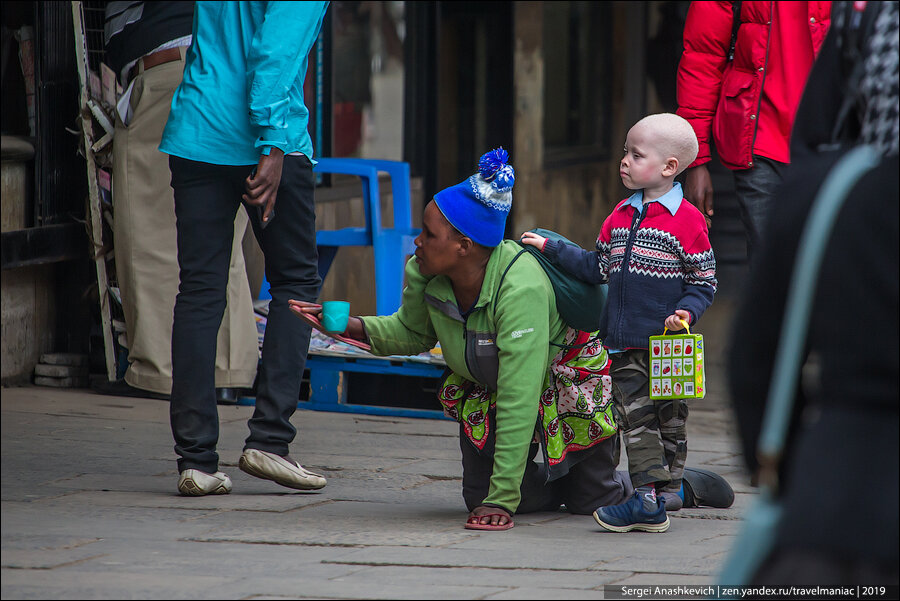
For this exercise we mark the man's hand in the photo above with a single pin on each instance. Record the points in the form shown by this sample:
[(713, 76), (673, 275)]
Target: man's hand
[(533, 239), (698, 190), (262, 185), (674, 322)]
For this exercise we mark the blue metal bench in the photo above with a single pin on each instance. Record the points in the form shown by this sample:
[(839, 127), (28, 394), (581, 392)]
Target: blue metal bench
[(328, 383), (391, 246)]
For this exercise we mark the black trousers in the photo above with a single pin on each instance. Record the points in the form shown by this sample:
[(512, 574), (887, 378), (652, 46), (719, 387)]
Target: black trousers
[(591, 483), (207, 198)]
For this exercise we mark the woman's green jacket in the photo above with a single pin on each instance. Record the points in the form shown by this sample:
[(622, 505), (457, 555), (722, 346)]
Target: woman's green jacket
[(503, 344)]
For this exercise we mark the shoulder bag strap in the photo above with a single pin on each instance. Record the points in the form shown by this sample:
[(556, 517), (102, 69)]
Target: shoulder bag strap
[(494, 305), (757, 535)]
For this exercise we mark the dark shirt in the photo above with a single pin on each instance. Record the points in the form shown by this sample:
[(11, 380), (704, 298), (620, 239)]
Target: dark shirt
[(134, 29), (842, 441)]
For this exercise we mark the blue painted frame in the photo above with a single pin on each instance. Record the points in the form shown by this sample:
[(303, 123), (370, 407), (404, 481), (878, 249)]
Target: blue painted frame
[(390, 245), (328, 390)]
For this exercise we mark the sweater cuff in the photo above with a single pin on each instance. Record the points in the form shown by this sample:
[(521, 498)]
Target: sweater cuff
[(365, 333), (550, 248), (692, 317)]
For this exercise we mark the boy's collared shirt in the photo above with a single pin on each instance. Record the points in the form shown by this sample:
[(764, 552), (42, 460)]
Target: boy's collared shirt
[(671, 199)]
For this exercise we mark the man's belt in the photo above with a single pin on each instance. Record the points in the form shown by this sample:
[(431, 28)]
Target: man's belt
[(154, 60)]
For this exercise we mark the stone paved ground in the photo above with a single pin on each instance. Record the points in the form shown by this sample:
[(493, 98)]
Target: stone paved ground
[(90, 511)]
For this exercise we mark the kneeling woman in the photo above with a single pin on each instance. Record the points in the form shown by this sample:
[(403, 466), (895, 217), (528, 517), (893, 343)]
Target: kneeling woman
[(520, 380)]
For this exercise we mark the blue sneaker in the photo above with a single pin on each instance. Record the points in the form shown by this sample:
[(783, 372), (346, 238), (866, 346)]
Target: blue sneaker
[(631, 515)]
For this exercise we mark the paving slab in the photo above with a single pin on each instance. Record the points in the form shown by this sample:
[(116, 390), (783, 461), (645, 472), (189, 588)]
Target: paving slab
[(649, 579), (544, 593), (343, 523), (244, 500), (316, 588), (520, 551), (47, 552), (416, 491), (575, 582)]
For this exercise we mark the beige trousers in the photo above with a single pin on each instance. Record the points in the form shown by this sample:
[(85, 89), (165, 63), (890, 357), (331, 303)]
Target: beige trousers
[(146, 249)]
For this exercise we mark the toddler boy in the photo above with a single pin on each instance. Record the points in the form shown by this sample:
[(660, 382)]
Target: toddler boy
[(654, 252)]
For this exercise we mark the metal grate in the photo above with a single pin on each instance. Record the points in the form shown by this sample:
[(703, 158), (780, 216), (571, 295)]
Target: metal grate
[(60, 186), (93, 29)]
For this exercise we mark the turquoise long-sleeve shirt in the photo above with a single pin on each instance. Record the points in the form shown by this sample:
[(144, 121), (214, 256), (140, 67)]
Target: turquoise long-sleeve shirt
[(242, 88)]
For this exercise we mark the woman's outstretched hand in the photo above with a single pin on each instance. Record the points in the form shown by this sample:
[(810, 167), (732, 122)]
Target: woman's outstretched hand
[(313, 309), (355, 329)]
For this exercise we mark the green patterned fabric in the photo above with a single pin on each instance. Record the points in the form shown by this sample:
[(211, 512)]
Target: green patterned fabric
[(575, 405)]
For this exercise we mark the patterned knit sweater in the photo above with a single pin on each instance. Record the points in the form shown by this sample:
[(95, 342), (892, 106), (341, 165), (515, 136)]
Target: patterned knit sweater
[(654, 263)]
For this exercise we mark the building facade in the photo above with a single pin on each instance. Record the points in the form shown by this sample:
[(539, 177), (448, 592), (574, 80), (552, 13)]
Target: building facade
[(435, 84)]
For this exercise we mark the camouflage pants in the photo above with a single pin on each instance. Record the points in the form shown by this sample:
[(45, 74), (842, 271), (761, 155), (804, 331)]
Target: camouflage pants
[(654, 432)]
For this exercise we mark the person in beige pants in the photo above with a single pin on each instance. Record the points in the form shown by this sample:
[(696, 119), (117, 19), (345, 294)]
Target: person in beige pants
[(145, 247)]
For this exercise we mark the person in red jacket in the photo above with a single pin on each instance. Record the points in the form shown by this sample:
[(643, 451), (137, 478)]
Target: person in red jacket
[(740, 79)]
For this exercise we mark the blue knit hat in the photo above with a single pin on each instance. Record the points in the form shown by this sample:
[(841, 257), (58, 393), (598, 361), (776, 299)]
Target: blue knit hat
[(478, 207)]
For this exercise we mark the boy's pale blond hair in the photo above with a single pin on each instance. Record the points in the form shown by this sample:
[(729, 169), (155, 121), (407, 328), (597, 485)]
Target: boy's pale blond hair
[(674, 137)]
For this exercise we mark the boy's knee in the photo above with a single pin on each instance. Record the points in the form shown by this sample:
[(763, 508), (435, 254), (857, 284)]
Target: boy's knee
[(639, 418), (672, 411)]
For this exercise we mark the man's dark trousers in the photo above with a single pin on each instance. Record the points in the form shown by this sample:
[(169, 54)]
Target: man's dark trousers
[(207, 198)]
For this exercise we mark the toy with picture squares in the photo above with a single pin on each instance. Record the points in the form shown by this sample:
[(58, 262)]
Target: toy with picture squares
[(676, 365)]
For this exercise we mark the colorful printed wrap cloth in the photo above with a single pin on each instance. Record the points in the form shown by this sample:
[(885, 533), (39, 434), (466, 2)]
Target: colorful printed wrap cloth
[(575, 405)]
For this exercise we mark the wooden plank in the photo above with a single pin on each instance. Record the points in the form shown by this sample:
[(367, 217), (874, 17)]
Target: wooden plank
[(95, 223), (42, 245)]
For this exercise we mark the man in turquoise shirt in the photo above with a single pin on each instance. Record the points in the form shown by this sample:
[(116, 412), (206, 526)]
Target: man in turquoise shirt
[(237, 131)]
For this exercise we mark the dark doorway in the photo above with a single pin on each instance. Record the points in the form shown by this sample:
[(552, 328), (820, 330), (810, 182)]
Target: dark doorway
[(460, 89)]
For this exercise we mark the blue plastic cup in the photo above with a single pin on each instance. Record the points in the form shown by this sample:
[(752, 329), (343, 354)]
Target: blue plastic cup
[(335, 316)]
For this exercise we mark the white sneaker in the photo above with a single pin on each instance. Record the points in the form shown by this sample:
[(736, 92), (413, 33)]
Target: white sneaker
[(282, 470), (194, 483)]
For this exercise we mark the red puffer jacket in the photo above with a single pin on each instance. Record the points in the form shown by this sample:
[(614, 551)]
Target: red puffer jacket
[(722, 96)]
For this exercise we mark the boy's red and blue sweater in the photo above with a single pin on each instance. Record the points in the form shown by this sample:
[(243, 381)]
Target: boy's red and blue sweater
[(654, 263)]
